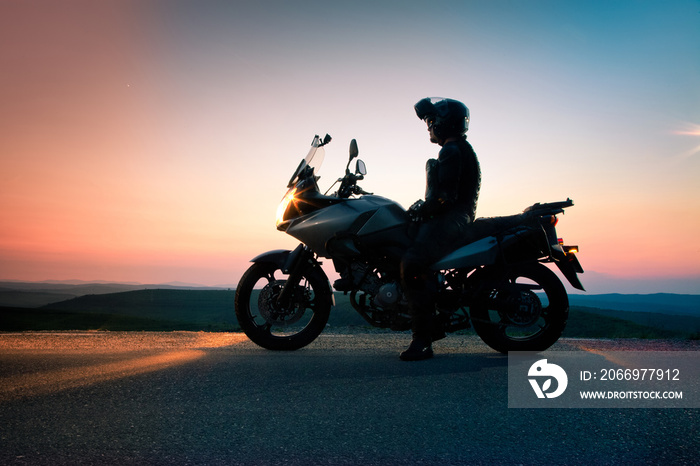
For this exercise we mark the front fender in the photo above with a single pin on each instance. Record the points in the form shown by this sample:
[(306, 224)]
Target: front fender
[(278, 257), (290, 262), (294, 263)]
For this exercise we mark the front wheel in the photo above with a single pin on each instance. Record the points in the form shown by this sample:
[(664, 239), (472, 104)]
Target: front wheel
[(277, 326), (526, 311)]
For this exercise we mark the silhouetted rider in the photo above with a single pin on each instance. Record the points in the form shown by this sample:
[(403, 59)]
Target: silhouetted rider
[(452, 189)]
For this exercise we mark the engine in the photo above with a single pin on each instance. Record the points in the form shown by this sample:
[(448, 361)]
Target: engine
[(388, 295), (385, 294)]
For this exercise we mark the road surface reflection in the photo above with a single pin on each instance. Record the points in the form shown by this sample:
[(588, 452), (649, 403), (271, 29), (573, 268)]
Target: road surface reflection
[(135, 354)]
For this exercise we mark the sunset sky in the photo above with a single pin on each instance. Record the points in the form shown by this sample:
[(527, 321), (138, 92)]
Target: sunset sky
[(151, 141)]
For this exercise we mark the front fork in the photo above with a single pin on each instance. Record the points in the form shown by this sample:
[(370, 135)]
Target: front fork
[(295, 266)]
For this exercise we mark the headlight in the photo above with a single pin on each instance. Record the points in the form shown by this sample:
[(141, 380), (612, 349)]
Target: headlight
[(284, 205)]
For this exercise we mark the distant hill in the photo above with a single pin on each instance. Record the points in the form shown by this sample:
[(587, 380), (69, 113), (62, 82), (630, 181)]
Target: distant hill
[(31, 299), (53, 291), (585, 324), (213, 310), (203, 307), (178, 307), (197, 306), (23, 319), (37, 294), (681, 324), (664, 303), (81, 288)]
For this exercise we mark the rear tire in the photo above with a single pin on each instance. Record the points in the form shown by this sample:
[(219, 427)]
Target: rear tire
[(525, 320), (278, 327)]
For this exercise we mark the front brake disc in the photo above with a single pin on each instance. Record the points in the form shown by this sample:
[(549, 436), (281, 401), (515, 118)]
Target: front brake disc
[(273, 312)]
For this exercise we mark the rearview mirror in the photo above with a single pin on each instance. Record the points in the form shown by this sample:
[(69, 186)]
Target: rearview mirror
[(360, 167), (353, 149)]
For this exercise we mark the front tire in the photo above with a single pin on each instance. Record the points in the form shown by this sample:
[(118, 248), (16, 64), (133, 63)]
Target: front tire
[(277, 327), (523, 318)]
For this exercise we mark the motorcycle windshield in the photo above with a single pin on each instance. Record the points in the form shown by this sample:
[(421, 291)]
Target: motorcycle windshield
[(312, 161)]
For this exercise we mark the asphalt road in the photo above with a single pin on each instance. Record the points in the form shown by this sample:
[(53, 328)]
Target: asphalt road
[(198, 398)]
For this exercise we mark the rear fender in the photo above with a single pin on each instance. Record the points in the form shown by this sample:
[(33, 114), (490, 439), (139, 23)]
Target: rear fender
[(569, 266)]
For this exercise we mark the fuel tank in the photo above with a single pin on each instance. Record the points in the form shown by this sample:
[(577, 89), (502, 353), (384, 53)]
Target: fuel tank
[(369, 219)]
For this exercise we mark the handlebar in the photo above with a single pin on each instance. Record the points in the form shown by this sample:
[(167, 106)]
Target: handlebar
[(549, 208), (359, 190), (348, 186)]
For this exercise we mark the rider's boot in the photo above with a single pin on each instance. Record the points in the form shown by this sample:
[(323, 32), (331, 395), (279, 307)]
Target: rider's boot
[(421, 346), (418, 350)]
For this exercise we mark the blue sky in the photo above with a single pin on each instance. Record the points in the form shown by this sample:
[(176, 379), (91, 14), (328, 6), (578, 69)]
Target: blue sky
[(163, 133)]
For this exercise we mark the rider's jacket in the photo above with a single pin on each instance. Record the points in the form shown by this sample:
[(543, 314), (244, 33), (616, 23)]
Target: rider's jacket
[(452, 181)]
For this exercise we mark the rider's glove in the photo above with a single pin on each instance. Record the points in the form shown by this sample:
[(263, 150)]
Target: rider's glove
[(414, 212)]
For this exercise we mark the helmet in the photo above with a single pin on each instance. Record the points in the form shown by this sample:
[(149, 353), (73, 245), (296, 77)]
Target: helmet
[(447, 117)]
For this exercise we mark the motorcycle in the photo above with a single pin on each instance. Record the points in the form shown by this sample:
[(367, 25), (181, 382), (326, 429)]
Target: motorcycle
[(494, 281)]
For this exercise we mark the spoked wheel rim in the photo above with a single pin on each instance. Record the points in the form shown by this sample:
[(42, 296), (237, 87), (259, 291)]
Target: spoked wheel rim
[(530, 313), (278, 325), (279, 319), (524, 314)]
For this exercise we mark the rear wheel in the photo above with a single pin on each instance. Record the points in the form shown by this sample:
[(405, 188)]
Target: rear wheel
[(526, 311), (278, 326)]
